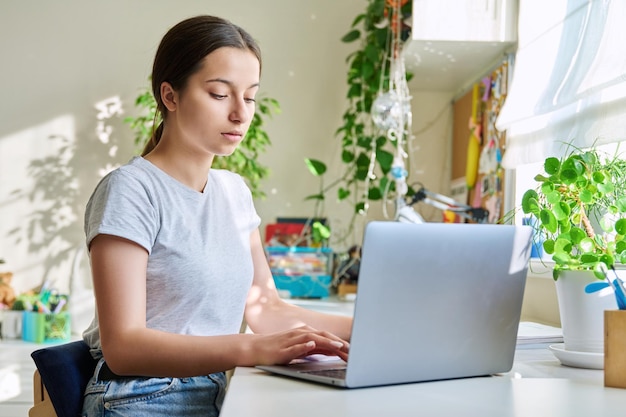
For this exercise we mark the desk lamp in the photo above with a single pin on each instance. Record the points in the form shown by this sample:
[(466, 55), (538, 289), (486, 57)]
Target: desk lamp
[(406, 214)]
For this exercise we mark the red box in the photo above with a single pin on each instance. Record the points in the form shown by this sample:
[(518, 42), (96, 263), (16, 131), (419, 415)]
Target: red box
[(285, 234)]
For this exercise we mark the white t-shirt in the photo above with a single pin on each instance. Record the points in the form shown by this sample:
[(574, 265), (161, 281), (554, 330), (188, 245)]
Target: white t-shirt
[(199, 266)]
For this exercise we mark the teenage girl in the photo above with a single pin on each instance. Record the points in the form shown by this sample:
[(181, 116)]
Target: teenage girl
[(176, 254)]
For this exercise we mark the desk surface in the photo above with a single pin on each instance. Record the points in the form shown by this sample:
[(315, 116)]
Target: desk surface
[(16, 377), (536, 386)]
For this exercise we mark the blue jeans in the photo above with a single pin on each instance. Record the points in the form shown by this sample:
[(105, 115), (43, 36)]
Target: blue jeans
[(196, 396)]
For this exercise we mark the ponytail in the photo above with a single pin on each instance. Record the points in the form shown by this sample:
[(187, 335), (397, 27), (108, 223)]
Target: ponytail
[(154, 139)]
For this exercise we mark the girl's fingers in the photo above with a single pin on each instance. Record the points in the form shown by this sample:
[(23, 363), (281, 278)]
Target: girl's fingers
[(330, 342), (305, 341)]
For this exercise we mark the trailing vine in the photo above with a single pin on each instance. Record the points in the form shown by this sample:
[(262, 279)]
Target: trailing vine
[(366, 151)]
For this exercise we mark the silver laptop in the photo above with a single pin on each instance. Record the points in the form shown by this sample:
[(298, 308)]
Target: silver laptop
[(434, 301)]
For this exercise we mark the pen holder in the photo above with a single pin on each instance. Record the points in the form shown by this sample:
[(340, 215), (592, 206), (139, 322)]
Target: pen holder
[(614, 352), (44, 328), (11, 324)]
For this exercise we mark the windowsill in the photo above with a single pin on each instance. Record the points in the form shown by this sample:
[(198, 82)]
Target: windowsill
[(540, 268)]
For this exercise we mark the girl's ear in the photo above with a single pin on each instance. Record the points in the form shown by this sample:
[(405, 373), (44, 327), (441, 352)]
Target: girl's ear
[(169, 96)]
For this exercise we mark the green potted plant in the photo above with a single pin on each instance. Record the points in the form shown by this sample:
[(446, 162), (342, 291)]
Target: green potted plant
[(580, 209), (580, 205)]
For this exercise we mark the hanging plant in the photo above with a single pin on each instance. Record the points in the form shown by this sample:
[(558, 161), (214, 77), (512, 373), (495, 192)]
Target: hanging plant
[(367, 153), (244, 161)]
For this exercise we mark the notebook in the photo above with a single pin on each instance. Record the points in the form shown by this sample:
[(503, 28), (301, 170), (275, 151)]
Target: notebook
[(434, 301)]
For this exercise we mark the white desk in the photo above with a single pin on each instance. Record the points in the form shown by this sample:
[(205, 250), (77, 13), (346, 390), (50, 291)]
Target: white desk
[(536, 386), (16, 377)]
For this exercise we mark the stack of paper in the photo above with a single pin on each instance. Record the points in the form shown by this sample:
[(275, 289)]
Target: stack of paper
[(536, 333)]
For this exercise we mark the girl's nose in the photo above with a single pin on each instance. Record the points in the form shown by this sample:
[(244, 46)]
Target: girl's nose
[(241, 112)]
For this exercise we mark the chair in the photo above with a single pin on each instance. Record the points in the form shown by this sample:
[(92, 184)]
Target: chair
[(62, 374)]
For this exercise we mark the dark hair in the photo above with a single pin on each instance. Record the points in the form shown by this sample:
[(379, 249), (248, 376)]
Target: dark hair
[(181, 52)]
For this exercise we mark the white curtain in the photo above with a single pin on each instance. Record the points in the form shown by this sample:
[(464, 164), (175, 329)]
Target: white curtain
[(569, 79)]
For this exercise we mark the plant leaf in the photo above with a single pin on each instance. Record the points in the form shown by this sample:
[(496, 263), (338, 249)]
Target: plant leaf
[(530, 203), (620, 226), (548, 246), (587, 245), (347, 156), (548, 220), (351, 36), (314, 197), (586, 196), (577, 234), (374, 194), (385, 159), (568, 176), (561, 211), (315, 166), (552, 165)]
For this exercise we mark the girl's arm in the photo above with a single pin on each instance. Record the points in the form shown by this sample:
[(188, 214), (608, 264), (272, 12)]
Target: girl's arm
[(130, 348), (266, 312)]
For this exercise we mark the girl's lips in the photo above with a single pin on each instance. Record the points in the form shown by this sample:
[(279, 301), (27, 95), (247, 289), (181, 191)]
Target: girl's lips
[(233, 136)]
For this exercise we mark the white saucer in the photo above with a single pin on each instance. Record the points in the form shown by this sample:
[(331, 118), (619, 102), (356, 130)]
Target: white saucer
[(589, 360)]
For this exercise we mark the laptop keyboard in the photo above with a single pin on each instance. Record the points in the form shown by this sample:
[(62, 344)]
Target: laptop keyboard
[(338, 373)]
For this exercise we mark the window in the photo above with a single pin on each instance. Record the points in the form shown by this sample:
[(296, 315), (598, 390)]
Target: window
[(569, 81), (568, 86)]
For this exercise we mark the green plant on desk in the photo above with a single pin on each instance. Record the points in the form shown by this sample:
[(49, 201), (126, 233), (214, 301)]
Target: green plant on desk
[(580, 204)]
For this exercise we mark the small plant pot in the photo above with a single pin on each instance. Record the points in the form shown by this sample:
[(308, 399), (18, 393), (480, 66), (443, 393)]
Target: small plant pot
[(582, 314)]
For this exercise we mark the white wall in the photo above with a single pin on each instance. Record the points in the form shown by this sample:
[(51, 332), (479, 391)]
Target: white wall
[(60, 59)]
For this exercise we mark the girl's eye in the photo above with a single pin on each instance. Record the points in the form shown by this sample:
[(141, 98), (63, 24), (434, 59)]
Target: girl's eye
[(218, 96), (250, 100)]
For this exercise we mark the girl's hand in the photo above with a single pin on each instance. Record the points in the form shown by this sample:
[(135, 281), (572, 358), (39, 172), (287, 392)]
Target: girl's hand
[(283, 347)]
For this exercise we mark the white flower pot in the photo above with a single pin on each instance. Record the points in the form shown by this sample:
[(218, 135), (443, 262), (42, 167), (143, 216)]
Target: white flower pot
[(582, 314)]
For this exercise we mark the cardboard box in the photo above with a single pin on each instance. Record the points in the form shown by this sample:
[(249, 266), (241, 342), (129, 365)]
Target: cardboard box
[(614, 348), (46, 328), (344, 289)]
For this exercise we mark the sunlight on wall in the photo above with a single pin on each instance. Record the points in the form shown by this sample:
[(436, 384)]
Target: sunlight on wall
[(47, 173), (17, 151), (107, 109)]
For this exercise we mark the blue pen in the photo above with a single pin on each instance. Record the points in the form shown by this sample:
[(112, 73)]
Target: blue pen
[(620, 293)]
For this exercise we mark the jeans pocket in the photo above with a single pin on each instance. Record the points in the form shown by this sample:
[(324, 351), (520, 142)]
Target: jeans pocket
[(220, 381), (155, 397), (137, 390)]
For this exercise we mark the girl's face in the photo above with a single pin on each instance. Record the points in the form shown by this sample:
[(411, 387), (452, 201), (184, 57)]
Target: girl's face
[(215, 109)]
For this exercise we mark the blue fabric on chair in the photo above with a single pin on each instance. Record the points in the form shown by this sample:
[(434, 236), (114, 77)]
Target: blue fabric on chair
[(65, 371)]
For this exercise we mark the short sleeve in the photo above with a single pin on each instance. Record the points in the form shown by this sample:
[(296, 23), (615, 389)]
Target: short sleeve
[(255, 219), (122, 206)]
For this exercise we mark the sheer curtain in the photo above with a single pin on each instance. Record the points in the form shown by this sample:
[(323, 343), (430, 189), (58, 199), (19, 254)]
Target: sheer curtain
[(569, 80)]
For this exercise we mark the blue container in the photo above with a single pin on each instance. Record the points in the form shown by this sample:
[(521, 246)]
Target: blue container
[(303, 272), (46, 328), (536, 250), (304, 286)]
